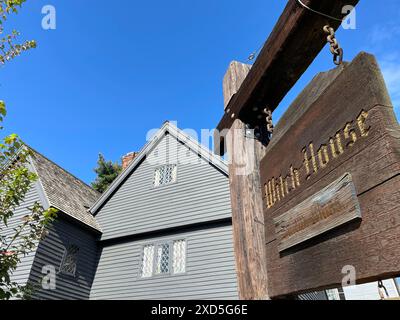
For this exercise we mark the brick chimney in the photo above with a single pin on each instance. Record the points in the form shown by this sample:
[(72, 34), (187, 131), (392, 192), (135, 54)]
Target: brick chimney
[(127, 159)]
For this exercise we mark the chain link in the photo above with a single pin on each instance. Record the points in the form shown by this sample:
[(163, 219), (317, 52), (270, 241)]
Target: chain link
[(382, 290), (335, 48), (268, 117)]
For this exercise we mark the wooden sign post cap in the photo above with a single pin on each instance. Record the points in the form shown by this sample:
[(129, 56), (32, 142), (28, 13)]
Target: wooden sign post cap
[(233, 79)]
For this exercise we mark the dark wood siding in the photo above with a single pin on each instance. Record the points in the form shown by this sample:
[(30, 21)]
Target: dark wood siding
[(21, 274), (321, 295), (51, 251)]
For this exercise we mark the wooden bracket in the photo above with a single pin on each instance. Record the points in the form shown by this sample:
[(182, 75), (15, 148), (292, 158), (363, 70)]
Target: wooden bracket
[(291, 47)]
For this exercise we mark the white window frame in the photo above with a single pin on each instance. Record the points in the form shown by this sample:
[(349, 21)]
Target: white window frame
[(171, 271)]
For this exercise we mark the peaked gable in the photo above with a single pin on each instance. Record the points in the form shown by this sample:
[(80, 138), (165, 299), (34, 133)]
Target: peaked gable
[(199, 193), (167, 128)]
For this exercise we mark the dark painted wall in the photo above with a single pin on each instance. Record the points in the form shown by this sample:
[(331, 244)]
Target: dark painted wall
[(51, 251)]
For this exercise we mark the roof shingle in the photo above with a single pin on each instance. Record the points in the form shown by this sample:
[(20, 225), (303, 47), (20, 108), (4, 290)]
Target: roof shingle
[(64, 191)]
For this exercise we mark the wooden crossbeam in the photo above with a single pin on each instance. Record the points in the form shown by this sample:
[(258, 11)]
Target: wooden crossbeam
[(294, 43)]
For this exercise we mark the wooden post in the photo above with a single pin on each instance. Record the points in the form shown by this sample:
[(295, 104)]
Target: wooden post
[(245, 154), (233, 79)]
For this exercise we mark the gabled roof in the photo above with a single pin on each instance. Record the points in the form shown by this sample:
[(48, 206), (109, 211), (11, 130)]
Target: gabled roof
[(65, 192), (180, 135)]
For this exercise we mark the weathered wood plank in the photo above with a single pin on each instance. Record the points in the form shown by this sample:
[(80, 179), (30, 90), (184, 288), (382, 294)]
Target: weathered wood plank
[(329, 208), (350, 127), (304, 100), (295, 41), (233, 79), (245, 155)]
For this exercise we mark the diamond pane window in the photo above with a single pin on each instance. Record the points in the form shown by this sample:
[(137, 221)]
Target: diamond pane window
[(68, 264), (179, 256), (163, 258), (162, 265), (333, 294), (165, 175), (147, 261)]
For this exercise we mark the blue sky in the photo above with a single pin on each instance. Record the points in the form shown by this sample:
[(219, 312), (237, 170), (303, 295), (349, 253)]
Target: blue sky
[(111, 72)]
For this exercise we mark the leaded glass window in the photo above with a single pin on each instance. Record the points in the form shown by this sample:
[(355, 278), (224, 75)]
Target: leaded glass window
[(165, 175), (164, 258), (147, 261), (162, 265), (70, 259), (179, 256)]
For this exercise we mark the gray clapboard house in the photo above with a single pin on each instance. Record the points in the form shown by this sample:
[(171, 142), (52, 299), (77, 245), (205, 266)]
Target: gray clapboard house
[(166, 225), (72, 237), (162, 230)]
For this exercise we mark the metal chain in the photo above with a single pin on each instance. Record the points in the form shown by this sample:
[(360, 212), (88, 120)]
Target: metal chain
[(270, 126), (382, 288), (262, 130), (253, 55), (336, 50)]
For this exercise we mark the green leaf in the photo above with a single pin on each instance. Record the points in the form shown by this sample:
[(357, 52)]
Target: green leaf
[(3, 110), (11, 139)]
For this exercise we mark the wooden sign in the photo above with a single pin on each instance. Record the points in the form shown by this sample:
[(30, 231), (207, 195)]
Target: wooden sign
[(331, 207), (331, 183)]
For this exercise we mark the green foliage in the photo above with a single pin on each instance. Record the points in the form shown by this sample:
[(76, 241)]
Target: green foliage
[(106, 172), (8, 49), (18, 237)]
